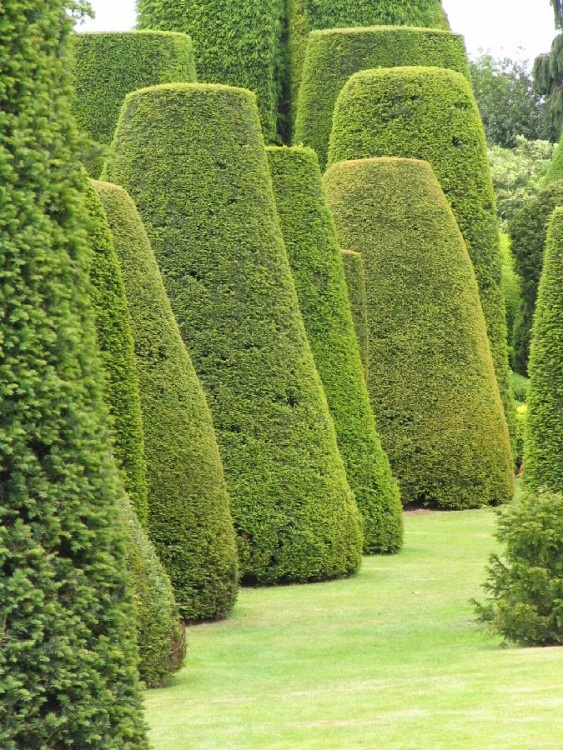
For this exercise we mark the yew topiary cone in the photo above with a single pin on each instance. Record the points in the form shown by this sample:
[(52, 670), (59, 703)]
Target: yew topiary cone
[(356, 284), (431, 114), (431, 378), (318, 272), (188, 506), (193, 159)]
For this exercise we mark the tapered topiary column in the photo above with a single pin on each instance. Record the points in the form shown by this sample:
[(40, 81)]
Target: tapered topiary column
[(528, 231), (68, 654), (193, 159), (431, 377), (318, 272), (107, 66), (543, 437), (356, 284), (189, 516), (333, 55), (431, 114)]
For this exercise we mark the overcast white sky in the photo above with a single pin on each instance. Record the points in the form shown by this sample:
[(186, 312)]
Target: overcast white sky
[(501, 26)]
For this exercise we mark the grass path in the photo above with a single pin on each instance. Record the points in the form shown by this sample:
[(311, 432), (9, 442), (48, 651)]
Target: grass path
[(388, 660)]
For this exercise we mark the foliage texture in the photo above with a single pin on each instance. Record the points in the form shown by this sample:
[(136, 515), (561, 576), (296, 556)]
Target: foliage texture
[(548, 82), (510, 288), (332, 56), (209, 210), (431, 378), (356, 285), (68, 674), (543, 443), (189, 515), (317, 268), (431, 114), (107, 66)]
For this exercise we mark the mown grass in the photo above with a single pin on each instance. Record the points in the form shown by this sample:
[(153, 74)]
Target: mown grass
[(390, 659)]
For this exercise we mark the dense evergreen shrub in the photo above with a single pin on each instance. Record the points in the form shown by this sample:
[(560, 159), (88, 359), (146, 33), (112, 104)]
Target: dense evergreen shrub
[(431, 378), (356, 285), (431, 114), (525, 590), (68, 674), (332, 56), (208, 207), (528, 230), (237, 43), (189, 515), (317, 268), (543, 437), (510, 288), (555, 171), (107, 66)]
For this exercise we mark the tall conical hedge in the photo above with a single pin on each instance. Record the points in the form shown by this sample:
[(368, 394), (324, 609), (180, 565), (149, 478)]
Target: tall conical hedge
[(543, 437), (528, 230), (431, 114), (106, 66), (68, 655), (511, 288), (189, 515), (209, 211), (431, 378), (318, 271), (555, 171), (237, 43), (356, 285), (333, 55)]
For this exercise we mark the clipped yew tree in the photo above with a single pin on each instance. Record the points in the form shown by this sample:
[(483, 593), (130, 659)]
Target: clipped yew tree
[(238, 43), (333, 55), (555, 171), (108, 65), (543, 436), (318, 271), (189, 514), (209, 211), (528, 231), (68, 655), (511, 289), (431, 378), (431, 114), (356, 285)]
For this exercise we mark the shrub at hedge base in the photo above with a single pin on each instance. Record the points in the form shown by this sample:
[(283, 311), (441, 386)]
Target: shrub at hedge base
[(528, 230), (543, 435), (189, 515), (332, 56), (107, 66), (207, 204), (431, 114), (356, 285), (318, 272), (68, 655), (431, 378)]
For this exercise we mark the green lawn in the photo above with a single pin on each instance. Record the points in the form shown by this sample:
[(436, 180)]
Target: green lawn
[(388, 659)]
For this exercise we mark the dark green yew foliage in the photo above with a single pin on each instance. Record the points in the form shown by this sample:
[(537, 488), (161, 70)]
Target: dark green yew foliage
[(239, 42), (193, 159), (189, 516), (356, 285), (528, 230), (332, 56), (511, 289), (107, 66), (431, 114), (68, 674), (525, 589), (431, 378), (317, 268), (543, 435)]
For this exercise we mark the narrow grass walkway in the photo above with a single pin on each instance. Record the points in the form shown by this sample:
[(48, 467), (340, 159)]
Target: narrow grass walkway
[(390, 659)]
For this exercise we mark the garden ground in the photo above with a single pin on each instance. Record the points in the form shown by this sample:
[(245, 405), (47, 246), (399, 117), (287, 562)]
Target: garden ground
[(390, 659)]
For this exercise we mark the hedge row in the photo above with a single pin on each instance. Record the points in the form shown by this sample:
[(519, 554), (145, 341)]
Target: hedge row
[(208, 208), (356, 285), (68, 655), (189, 516), (431, 378), (431, 114), (334, 55), (107, 66), (317, 268)]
